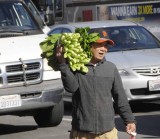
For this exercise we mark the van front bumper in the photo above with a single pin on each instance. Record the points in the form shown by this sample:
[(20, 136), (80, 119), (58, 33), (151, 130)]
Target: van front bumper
[(42, 95)]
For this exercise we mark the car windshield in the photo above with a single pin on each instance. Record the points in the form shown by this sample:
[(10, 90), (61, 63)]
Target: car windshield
[(131, 38), (13, 16)]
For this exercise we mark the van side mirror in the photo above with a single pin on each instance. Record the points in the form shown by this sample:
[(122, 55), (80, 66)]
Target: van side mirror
[(49, 19)]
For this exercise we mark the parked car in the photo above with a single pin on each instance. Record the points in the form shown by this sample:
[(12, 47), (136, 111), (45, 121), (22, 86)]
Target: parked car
[(136, 55)]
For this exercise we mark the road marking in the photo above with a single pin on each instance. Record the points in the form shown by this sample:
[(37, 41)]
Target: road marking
[(67, 119)]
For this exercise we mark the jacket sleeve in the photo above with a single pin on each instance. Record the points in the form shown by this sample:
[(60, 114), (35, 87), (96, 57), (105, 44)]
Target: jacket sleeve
[(69, 80), (121, 100)]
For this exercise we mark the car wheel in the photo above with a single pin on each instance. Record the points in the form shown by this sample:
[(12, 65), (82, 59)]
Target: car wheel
[(51, 116)]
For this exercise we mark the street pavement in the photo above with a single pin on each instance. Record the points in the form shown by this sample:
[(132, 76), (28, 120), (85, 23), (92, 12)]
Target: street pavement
[(147, 115)]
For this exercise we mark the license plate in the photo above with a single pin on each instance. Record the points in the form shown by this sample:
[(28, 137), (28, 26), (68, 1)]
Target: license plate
[(154, 85), (10, 101)]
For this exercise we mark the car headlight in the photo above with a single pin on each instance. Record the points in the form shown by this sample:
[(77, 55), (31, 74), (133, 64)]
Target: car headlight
[(123, 72)]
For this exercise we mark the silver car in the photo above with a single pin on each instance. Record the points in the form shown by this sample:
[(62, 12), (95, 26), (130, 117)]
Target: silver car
[(136, 54)]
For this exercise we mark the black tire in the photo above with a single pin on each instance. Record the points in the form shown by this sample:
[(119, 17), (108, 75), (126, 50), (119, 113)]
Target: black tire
[(50, 116)]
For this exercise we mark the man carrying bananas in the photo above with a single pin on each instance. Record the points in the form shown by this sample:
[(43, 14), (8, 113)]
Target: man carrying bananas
[(93, 94)]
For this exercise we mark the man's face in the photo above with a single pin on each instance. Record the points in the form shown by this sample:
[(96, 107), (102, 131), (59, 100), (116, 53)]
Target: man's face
[(99, 50)]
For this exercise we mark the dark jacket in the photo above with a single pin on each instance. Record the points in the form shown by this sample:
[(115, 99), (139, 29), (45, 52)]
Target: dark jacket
[(92, 97)]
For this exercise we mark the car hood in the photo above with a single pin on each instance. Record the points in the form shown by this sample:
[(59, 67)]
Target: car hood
[(25, 47), (134, 58)]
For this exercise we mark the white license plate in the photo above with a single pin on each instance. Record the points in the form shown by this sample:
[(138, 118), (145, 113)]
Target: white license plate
[(10, 101), (154, 85)]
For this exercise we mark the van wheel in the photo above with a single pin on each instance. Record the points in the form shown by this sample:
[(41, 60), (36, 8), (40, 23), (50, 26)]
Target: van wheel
[(51, 116)]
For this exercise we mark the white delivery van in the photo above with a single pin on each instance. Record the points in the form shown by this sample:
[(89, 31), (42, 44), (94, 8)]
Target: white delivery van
[(28, 86)]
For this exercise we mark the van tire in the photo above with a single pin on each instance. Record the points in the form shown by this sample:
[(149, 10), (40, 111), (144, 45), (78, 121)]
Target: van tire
[(51, 116)]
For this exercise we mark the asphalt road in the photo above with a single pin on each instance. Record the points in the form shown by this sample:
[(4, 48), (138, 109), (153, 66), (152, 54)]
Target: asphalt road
[(147, 115)]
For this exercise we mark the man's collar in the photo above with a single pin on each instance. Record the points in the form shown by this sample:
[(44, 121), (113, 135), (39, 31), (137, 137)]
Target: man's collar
[(98, 63)]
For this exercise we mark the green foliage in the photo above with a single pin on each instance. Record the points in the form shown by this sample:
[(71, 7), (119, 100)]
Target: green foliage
[(74, 52), (76, 47), (48, 50), (86, 39)]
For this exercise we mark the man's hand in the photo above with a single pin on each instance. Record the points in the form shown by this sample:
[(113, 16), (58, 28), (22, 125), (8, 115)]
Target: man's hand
[(131, 128), (60, 55)]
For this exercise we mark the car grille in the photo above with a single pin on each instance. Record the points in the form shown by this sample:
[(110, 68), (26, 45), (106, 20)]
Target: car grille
[(143, 91), (30, 66), (20, 73), (150, 71), (20, 78)]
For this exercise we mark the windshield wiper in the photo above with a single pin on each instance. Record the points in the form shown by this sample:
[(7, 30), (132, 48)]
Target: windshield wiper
[(131, 48), (10, 32)]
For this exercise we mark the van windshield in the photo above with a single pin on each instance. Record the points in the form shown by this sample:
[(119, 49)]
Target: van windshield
[(14, 16), (131, 38)]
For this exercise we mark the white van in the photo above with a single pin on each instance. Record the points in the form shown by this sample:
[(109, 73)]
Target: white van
[(28, 86)]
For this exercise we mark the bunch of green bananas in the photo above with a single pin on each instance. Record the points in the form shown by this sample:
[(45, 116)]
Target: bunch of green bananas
[(73, 51), (76, 48)]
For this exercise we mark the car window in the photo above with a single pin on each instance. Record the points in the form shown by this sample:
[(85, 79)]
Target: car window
[(55, 31), (131, 38), (65, 30), (14, 14), (59, 30)]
